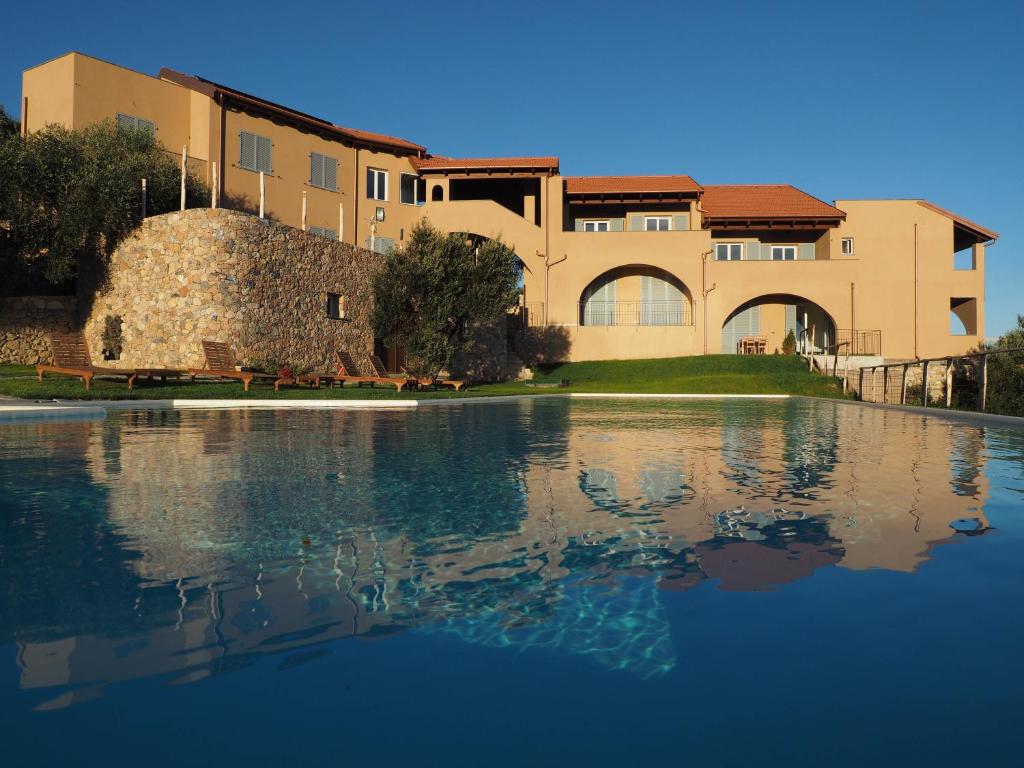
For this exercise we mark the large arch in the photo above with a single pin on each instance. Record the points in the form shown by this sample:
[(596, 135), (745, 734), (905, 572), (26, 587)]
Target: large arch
[(635, 294), (772, 316)]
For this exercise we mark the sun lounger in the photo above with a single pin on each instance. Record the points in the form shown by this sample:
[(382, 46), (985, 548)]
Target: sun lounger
[(348, 371), (71, 358), (433, 382), (377, 365), (221, 363)]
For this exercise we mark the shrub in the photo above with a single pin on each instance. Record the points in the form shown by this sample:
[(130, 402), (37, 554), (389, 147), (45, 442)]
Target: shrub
[(789, 343)]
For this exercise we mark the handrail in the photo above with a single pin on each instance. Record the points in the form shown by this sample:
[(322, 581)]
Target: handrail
[(648, 313)]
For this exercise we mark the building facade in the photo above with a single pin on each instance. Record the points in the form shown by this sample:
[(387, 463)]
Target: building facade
[(614, 267)]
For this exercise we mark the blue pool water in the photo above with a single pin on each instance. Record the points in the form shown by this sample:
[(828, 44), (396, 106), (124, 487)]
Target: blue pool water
[(795, 583)]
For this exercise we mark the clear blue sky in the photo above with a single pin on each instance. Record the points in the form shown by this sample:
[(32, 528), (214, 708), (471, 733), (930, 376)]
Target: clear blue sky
[(844, 100)]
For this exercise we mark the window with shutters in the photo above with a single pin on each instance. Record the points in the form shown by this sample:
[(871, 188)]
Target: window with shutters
[(657, 223), (847, 246), (596, 226), (376, 184), (133, 123), (729, 251), (254, 152), (783, 253), (327, 232), (414, 189), (323, 171)]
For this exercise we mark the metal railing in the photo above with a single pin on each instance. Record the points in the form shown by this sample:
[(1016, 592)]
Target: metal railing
[(675, 312), (860, 342), (530, 313)]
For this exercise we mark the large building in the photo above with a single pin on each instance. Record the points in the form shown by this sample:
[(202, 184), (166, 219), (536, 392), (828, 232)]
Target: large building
[(614, 266)]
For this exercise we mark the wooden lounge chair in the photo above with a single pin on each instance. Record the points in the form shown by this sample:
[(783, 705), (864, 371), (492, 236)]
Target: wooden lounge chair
[(348, 371), (221, 363), (433, 382), (71, 358), (377, 365)]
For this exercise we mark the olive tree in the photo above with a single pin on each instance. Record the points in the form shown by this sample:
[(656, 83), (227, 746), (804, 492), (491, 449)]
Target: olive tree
[(430, 293), (69, 197)]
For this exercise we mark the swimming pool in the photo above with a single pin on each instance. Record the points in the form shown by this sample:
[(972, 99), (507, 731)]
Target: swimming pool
[(537, 583)]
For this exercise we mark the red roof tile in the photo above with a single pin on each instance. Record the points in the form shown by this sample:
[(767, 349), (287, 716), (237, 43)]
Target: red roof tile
[(456, 163), (988, 234), (764, 201), (614, 185)]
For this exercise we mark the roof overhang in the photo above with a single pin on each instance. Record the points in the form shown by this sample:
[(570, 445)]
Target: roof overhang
[(476, 167), (738, 223), (964, 228)]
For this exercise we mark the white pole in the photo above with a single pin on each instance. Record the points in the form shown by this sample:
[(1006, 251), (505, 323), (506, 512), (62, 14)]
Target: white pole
[(184, 155), (341, 222), (303, 210), (373, 234), (263, 192), (143, 198), (213, 189)]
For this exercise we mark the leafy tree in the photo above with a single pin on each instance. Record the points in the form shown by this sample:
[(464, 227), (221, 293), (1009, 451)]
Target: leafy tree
[(67, 198), (429, 294), (1006, 374), (8, 125), (789, 343)]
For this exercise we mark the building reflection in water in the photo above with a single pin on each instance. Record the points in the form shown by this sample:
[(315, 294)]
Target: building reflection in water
[(195, 542)]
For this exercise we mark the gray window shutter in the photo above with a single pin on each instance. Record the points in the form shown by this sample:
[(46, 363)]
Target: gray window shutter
[(247, 150), (263, 154), (316, 169), (806, 252), (331, 173), (125, 122), (636, 223), (753, 251), (579, 225), (616, 225), (682, 221), (791, 318)]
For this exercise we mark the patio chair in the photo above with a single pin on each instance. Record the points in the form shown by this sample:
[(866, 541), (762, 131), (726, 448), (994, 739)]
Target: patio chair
[(348, 371), (377, 366), (71, 358), (221, 364)]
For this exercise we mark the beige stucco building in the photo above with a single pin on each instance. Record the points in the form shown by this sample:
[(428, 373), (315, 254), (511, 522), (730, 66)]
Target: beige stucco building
[(615, 267)]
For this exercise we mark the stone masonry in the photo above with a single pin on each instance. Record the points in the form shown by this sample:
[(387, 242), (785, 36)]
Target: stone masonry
[(260, 287), (24, 323)]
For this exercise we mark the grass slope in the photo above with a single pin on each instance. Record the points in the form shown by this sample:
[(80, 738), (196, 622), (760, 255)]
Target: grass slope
[(713, 374)]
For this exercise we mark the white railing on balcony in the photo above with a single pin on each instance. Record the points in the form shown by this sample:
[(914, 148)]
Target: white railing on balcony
[(635, 313)]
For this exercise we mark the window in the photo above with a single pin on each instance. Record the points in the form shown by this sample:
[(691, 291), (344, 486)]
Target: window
[(437, 193), (595, 226), (414, 189), (323, 232), (132, 123), (783, 253), (657, 224), (254, 152), (729, 251), (323, 171), (335, 306), (376, 184), (847, 246)]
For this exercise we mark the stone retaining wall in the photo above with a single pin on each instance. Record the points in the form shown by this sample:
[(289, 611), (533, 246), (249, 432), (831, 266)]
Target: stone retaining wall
[(260, 287), (24, 323)]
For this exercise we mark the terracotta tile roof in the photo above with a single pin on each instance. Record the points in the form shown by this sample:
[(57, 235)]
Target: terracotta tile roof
[(764, 201), (987, 234), (457, 163), (614, 185), (212, 89)]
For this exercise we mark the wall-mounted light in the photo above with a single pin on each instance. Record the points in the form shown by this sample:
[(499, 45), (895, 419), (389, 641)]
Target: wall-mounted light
[(380, 214)]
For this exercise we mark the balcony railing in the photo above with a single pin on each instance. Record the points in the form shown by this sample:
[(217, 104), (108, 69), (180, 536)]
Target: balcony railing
[(530, 314), (859, 342), (635, 313)]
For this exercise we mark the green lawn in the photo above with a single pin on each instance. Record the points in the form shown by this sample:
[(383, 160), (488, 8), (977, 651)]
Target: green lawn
[(714, 374)]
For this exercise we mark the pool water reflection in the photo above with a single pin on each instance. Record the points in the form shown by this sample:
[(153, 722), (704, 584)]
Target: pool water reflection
[(622, 546)]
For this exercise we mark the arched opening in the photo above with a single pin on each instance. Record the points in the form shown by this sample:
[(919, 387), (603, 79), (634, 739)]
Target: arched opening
[(769, 319), (437, 193), (963, 316), (636, 295)]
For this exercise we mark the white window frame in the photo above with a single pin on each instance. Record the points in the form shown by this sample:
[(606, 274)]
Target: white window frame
[(596, 225), (842, 246), (666, 219), (415, 188), (784, 249), (729, 252), (378, 174)]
